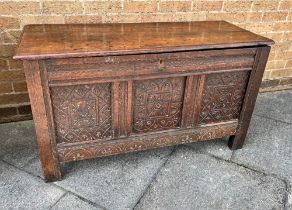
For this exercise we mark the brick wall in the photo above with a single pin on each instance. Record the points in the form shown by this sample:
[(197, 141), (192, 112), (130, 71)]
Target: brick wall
[(271, 18)]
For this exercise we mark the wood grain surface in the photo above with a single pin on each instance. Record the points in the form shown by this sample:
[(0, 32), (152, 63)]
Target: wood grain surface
[(44, 41)]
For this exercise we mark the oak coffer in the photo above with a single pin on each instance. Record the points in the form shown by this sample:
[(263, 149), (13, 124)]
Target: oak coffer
[(105, 89)]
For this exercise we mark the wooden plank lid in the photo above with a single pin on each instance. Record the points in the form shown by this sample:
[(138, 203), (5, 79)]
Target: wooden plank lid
[(79, 40)]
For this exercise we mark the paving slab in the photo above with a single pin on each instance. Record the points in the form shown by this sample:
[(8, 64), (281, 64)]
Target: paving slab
[(19, 190), (115, 182), (289, 201), (18, 145), (72, 202), (191, 180), (215, 147), (275, 105), (268, 148)]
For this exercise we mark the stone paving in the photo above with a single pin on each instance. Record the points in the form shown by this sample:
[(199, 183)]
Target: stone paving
[(204, 175)]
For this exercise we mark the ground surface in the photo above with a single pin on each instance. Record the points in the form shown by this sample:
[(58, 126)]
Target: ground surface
[(205, 175)]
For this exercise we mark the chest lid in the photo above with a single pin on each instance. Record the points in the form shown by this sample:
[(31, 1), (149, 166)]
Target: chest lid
[(81, 40)]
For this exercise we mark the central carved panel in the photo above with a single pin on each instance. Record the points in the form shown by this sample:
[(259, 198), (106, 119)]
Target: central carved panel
[(157, 104), (82, 112)]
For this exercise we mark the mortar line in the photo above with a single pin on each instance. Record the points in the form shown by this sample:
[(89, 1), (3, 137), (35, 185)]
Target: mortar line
[(154, 177)]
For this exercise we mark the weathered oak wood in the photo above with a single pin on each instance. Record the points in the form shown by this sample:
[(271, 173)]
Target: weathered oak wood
[(106, 89), (41, 116), (236, 141), (73, 40), (133, 144)]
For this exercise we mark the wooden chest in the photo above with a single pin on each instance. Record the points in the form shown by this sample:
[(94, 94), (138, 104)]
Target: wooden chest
[(106, 89)]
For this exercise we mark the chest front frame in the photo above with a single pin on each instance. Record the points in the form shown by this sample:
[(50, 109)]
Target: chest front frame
[(46, 76)]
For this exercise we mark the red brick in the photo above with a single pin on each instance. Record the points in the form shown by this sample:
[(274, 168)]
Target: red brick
[(275, 16), (285, 26), (288, 64), (123, 18), (15, 64), (14, 98), (143, 7), (286, 5), (237, 6), (3, 64), (65, 7), (83, 19), (24, 110), (20, 86), (265, 5), (207, 6), (102, 7), (156, 17), (175, 6), (9, 22), (5, 87), (19, 8), (11, 36), (7, 50), (11, 76), (7, 112), (42, 19)]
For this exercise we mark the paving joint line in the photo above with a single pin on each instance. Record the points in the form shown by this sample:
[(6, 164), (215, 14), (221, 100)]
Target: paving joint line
[(30, 161), (155, 176), (62, 196), (79, 196), (21, 169), (270, 118), (282, 179), (55, 185)]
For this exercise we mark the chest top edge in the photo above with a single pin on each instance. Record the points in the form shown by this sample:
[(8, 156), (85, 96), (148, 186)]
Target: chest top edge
[(82, 40)]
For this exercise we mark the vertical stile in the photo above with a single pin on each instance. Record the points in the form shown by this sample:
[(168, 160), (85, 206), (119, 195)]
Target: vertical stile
[(129, 108), (198, 100), (187, 103), (115, 109)]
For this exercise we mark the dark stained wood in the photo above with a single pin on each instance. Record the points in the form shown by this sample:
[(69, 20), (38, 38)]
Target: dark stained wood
[(189, 101), (128, 67), (45, 139), (236, 141), (133, 144), (106, 89), (115, 108), (129, 108), (44, 41)]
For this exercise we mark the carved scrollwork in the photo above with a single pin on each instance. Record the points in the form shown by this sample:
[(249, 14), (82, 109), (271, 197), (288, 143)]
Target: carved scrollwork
[(86, 151)]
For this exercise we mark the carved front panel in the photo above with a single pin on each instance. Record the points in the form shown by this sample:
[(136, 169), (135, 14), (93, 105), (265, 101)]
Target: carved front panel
[(82, 112), (157, 104), (223, 96)]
